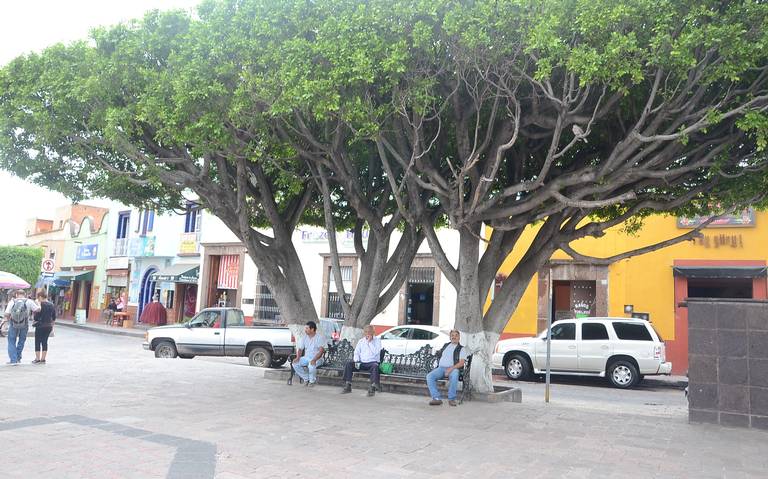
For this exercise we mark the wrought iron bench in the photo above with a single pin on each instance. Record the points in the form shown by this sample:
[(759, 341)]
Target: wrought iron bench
[(413, 366)]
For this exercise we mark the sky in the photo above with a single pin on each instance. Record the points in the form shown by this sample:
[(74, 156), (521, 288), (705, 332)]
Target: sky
[(32, 25)]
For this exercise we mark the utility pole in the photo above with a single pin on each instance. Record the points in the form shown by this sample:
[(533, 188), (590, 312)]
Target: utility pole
[(549, 333)]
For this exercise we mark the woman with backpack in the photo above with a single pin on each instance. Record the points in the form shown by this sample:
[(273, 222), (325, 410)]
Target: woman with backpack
[(43, 324)]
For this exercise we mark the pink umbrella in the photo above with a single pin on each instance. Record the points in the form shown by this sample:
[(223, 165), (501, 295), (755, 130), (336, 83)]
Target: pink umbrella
[(11, 281)]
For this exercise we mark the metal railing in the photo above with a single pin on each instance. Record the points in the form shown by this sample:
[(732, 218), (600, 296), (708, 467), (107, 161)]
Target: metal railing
[(121, 247)]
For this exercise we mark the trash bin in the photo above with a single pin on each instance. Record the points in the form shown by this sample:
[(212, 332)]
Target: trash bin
[(80, 316)]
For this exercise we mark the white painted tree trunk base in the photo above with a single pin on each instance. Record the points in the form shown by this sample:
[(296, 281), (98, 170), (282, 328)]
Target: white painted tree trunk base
[(297, 330), (481, 346), (351, 334)]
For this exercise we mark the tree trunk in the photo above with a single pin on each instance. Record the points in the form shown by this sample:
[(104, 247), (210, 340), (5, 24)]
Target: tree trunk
[(481, 345), (469, 311)]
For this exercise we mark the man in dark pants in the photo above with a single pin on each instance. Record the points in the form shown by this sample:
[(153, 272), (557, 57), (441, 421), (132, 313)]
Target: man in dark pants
[(366, 358)]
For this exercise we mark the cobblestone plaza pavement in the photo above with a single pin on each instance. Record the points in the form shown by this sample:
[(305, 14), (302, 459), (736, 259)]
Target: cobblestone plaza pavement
[(104, 408)]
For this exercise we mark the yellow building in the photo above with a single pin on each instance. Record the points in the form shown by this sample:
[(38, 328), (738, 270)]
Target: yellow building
[(728, 261)]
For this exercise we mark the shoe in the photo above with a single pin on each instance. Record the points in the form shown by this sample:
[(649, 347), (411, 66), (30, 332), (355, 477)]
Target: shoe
[(347, 388), (42, 361), (435, 402), (11, 363), (35, 361), (310, 385), (371, 391), (452, 402)]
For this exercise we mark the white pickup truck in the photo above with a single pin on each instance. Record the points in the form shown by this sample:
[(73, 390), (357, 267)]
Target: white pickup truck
[(221, 332)]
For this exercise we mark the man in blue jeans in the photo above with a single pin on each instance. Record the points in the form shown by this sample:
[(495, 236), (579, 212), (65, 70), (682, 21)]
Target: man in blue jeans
[(452, 358), (309, 356), (18, 312)]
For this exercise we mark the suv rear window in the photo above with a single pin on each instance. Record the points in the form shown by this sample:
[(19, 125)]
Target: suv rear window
[(632, 332), (593, 331)]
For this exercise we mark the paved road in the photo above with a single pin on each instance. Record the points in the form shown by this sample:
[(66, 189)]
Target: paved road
[(104, 408)]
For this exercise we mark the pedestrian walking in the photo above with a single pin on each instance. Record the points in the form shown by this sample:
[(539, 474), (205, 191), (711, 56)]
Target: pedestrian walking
[(18, 312), (43, 323)]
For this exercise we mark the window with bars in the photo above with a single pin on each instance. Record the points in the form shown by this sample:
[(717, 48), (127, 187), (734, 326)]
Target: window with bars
[(421, 275), (265, 305), (335, 310), (346, 278)]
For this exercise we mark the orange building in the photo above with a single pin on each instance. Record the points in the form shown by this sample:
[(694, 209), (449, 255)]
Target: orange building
[(727, 261)]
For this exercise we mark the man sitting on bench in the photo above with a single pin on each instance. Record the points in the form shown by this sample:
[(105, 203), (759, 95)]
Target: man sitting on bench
[(309, 356), (366, 358), (452, 357)]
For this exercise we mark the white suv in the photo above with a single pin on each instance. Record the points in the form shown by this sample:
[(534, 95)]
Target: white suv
[(623, 349)]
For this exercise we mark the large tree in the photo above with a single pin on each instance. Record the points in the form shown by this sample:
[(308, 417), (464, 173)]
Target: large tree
[(163, 105), (575, 116), (23, 261), (572, 115)]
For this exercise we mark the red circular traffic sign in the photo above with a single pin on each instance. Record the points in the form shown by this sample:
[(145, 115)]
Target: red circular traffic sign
[(48, 266)]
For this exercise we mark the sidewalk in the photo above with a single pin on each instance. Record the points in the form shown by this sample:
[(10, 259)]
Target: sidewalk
[(136, 332)]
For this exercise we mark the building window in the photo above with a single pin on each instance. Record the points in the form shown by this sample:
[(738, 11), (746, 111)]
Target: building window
[(123, 219), (265, 307), (146, 221), (335, 309), (193, 218)]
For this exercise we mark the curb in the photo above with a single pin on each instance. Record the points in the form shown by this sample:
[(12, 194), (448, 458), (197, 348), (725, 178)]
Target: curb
[(114, 332), (671, 382)]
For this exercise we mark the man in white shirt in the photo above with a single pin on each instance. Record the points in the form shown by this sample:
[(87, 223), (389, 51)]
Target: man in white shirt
[(366, 358), (18, 313), (309, 354)]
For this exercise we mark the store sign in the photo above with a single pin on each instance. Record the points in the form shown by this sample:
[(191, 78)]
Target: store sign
[(117, 262), (87, 252), (189, 243), (721, 241), (142, 246), (746, 219), (321, 236)]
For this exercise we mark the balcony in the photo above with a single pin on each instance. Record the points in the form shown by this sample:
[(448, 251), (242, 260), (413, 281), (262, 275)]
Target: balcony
[(121, 247), (189, 244)]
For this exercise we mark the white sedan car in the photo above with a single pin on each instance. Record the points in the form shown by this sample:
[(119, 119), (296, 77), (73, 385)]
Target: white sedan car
[(410, 338)]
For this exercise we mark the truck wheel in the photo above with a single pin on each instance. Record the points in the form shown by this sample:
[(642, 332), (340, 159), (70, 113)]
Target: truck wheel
[(165, 349), (517, 367), (259, 357), (623, 374), (278, 362)]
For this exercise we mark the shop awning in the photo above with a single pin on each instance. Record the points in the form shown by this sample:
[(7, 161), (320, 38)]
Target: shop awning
[(75, 275), (178, 273), (720, 271), (51, 280)]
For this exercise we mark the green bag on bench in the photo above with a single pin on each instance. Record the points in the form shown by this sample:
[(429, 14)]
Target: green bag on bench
[(386, 368)]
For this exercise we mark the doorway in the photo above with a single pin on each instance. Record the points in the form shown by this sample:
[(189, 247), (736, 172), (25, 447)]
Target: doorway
[(420, 303), (147, 290), (573, 299)]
